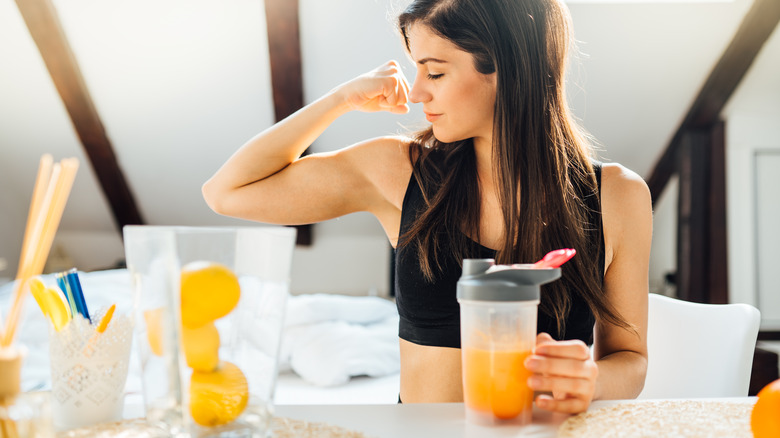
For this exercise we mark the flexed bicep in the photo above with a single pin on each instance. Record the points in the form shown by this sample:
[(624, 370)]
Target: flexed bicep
[(323, 186), (266, 180)]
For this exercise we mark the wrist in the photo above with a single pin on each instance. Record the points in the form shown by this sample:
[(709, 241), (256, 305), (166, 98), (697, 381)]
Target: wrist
[(339, 100)]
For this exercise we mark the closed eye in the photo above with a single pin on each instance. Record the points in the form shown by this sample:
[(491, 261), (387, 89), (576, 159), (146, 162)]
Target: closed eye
[(434, 77)]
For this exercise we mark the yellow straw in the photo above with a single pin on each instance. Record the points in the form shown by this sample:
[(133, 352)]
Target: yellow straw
[(36, 230), (39, 235), (106, 319), (99, 330), (39, 190)]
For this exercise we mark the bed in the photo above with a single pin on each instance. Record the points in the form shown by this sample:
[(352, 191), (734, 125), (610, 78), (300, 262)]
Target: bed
[(336, 349)]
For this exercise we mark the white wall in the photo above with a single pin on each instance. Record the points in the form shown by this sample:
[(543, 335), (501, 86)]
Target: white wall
[(9, 242), (663, 255), (181, 84), (752, 123), (752, 118), (179, 87), (642, 65), (351, 254)]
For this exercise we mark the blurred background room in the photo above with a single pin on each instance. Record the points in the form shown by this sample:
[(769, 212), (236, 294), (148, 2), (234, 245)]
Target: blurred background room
[(153, 96)]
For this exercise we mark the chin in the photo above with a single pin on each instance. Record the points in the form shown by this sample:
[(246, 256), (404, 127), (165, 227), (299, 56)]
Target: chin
[(446, 137)]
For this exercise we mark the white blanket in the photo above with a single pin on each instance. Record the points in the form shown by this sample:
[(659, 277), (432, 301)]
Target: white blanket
[(330, 338), (327, 338)]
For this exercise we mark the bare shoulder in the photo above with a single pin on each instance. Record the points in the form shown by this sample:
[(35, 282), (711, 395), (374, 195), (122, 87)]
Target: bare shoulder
[(626, 209), (622, 188), (385, 164), (390, 150)]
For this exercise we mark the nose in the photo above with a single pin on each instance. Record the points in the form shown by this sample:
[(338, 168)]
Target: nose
[(418, 93)]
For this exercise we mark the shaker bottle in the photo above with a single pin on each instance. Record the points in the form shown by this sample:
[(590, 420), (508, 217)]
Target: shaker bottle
[(498, 307)]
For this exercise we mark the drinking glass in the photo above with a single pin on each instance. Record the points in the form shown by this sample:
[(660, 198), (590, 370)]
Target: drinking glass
[(209, 304)]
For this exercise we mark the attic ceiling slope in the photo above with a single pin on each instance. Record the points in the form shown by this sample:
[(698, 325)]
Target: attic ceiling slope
[(45, 28), (755, 29)]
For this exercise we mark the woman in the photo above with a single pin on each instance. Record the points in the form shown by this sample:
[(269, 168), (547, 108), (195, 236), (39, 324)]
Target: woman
[(503, 172)]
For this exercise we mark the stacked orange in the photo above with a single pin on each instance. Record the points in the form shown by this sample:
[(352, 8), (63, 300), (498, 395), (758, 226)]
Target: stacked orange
[(219, 391)]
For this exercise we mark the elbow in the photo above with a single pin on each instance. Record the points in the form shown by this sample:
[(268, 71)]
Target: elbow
[(214, 197), (624, 377), (640, 366)]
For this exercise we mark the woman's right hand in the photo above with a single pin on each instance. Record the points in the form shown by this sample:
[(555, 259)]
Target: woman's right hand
[(383, 89)]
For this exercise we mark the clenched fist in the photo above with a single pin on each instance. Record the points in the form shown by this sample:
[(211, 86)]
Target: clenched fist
[(383, 89)]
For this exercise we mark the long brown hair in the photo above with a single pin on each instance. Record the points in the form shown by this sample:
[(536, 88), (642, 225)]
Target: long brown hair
[(542, 159)]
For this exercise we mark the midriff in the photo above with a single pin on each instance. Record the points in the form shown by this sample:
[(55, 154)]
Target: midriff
[(430, 374)]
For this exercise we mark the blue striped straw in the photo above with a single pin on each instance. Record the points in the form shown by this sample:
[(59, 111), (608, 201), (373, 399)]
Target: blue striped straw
[(72, 278), (63, 283)]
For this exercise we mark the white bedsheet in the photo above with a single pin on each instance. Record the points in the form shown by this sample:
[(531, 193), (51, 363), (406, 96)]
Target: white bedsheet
[(329, 341)]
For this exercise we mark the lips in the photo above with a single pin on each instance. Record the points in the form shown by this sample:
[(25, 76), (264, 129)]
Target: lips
[(432, 117)]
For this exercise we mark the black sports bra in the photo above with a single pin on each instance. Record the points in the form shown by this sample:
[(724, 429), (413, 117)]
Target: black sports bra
[(429, 311)]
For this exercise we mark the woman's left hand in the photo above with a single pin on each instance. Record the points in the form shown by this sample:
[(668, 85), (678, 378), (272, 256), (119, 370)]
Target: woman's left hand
[(566, 370)]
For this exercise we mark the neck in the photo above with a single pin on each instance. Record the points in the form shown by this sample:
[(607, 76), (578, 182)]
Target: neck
[(483, 149)]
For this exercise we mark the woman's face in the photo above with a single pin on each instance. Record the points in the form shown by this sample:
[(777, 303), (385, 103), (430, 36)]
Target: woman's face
[(457, 99)]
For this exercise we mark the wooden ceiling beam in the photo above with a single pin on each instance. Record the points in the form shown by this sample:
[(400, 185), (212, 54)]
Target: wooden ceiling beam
[(47, 32), (284, 48), (755, 29)]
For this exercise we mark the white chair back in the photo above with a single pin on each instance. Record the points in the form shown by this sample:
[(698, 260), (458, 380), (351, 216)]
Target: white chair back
[(699, 350)]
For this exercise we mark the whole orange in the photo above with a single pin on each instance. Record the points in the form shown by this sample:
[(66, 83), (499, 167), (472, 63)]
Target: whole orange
[(201, 347), (209, 291), (218, 397), (765, 418)]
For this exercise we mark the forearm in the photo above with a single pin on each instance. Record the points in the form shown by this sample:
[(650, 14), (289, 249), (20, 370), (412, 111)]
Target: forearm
[(275, 148), (621, 376)]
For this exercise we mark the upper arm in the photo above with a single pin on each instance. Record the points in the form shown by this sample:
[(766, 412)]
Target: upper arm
[(628, 222), (321, 186)]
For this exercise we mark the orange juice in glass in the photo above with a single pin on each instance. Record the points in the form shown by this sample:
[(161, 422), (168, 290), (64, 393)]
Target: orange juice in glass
[(495, 383), (498, 309)]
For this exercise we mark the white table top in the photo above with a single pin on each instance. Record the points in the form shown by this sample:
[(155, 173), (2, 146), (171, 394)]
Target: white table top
[(416, 421), (432, 420)]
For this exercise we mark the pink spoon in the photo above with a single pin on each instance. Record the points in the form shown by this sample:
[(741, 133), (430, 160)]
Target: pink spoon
[(555, 259)]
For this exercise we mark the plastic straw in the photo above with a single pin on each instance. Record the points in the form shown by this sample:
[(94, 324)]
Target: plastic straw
[(106, 319), (65, 287), (42, 224), (72, 277), (39, 190)]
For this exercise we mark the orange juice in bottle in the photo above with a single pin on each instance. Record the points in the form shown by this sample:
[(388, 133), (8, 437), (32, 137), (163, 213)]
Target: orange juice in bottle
[(496, 382), (498, 309)]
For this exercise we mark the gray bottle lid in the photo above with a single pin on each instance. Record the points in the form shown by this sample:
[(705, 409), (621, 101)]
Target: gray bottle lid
[(483, 280)]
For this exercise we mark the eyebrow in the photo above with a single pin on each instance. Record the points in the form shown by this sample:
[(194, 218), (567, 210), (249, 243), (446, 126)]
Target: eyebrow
[(425, 60)]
